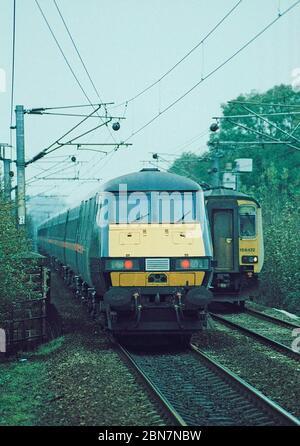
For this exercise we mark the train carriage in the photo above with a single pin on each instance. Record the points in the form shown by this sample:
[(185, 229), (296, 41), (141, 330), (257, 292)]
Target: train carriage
[(236, 230), (140, 249)]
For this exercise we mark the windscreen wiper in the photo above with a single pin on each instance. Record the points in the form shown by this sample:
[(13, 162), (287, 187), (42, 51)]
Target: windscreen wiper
[(140, 217), (183, 217)]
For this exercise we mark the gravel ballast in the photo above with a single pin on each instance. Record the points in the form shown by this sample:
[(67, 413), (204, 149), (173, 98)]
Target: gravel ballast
[(271, 372), (82, 380)]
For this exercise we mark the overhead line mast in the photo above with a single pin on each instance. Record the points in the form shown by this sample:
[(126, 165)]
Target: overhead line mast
[(20, 146)]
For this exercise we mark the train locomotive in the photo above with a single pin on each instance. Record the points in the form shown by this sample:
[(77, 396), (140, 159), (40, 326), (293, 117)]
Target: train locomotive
[(236, 230), (139, 251)]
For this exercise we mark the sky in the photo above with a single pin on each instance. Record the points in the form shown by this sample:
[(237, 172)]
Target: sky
[(126, 46)]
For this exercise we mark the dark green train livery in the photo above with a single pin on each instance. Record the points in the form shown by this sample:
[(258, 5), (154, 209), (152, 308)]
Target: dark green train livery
[(156, 273), (146, 274)]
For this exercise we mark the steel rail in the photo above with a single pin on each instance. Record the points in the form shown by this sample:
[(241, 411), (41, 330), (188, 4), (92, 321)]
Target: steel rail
[(270, 318), (254, 334), (258, 397), (166, 406), (212, 373)]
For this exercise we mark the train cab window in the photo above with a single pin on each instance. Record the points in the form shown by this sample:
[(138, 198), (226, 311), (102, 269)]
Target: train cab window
[(170, 210), (149, 207), (247, 221)]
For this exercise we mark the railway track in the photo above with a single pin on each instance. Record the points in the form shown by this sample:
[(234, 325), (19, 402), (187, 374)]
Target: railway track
[(269, 318), (279, 346), (194, 390)]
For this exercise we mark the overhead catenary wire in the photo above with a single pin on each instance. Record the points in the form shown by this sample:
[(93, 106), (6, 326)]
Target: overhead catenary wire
[(40, 193), (65, 57), (215, 27), (53, 157), (80, 115), (36, 177), (80, 58), (187, 143), (272, 124), (43, 170), (253, 114), (64, 144), (191, 141), (42, 153), (263, 104), (62, 52), (61, 144), (262, 134), (71, 179), (45, 151), (77, 51), (295, 128), (179, 169), (260, 114), (257, 142), (107, 158), (94, 169), (41, 109), (58, 162), (216, 69), (91, 170)]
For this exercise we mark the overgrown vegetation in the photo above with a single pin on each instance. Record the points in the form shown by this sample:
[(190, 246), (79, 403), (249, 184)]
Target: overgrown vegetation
[(21, 385), (14, 248), (275, 180)]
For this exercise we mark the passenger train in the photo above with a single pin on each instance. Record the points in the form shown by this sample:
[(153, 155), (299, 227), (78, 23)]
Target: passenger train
[(139, 252), (236, 230)]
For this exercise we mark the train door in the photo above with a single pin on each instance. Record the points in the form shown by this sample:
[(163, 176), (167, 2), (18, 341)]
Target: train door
[(222, 226)]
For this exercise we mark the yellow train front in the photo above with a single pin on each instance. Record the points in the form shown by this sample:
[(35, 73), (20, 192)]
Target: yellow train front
[(236, 230), (156, 256)]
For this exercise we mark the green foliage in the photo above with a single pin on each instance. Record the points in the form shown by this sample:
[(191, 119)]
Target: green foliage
[(49, 348), (280, 279), (275, 180), (192, 166), (14, 246), (275, 165), (20, 392)]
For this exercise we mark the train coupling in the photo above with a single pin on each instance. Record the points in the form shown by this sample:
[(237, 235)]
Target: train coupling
[(139, 310)]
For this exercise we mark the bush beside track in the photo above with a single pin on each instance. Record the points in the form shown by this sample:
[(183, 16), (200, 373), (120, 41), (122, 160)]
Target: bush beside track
[(75, 379)]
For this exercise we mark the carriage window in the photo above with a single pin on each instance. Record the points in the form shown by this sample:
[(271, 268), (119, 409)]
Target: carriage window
[(247, 221)]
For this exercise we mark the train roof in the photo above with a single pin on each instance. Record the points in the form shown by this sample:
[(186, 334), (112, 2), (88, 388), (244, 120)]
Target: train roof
[(223, 192), (144, 180), (151, 179)]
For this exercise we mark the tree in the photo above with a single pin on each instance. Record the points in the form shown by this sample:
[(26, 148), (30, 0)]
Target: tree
[(14, 246), (192, 166), (275, 180), (274, 163)]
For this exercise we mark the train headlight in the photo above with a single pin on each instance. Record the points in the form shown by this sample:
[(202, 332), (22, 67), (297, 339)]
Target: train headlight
[(121, 265), (249, 259), (185, 264), (128, 264), (115, 264), (199, 263)]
